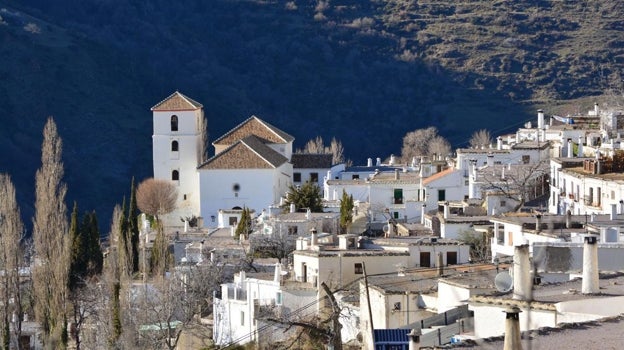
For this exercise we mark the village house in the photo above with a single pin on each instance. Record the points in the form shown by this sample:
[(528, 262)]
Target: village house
[(343, 264), (243, 307)]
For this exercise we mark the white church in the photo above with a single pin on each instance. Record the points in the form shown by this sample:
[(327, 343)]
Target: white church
[(251, 166)]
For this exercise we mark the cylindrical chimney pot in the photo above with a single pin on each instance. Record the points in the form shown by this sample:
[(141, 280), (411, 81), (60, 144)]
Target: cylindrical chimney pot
[(590, 283), (522, 283), (512, 329)]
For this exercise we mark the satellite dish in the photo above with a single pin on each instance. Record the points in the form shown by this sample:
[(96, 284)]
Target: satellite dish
[(503, 282)]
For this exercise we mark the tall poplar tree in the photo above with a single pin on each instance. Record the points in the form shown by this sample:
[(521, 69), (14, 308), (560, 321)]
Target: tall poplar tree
[(11, 232), (51, 242)]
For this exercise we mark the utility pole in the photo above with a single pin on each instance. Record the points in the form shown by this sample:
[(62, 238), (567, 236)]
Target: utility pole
[(370, 312)]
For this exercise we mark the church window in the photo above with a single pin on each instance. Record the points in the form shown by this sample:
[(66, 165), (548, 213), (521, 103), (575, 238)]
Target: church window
[(175, 175), (174, 146), (174, 123)]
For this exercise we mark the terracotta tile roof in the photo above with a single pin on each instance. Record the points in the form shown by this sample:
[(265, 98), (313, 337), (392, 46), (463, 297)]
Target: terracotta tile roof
[(248, 153), (437, 176), (311, 161), (177, 102), (254, 126)]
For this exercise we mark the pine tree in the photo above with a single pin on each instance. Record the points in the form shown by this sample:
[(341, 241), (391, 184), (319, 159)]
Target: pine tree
[(307, 196), (133, 227), (346, 212)]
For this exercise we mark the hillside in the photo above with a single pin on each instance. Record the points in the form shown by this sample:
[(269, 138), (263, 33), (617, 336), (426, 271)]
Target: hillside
[(365, 72)]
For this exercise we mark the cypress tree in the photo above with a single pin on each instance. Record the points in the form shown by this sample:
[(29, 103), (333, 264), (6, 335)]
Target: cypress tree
[(77, 266), (133, 227), (346, 211), (92, 246), (122, 240)]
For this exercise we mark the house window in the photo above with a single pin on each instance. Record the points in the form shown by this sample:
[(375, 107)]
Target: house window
[(526, 159), (503, 203), (398, 196), (297, 177), (174, 146), (278, 298), (314, 177), (358, 269), (451, 258), (355, 176), (174, 123), (395, 214), (292, 230), (441, 195), (233, 220), (425, 259), (175, 175)]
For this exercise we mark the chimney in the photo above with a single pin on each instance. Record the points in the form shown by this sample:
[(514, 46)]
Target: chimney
[(414, 338), (590, 266), (308, 214), (396, 174), (564, 147), (490, 160), (369, 162), (292, 207), (621, 206), (499, 143), (378, 161), (568, 219), (522, 283), (440, 263), (613, 215), (540, 119), (446, 210), (422, 214), (512, 329), (503, 173), (570, 149), (580, 147), (596, 109), (414, 161), (313, 238), (392, 159), (538, 223)]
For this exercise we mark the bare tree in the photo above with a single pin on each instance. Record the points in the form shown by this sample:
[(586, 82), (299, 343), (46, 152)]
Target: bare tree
[(51, 242), (156, 197), (423, 142), (439, 146), (480, 138), (317, 146), (520, 183), (11, 234)]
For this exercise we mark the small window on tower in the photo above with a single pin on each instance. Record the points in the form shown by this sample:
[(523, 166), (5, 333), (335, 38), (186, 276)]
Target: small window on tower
[(174, 146), (174, 123), (175, 175)]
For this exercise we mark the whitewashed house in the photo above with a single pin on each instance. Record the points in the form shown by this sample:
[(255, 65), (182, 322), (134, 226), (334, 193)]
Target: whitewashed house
[(244, 304)]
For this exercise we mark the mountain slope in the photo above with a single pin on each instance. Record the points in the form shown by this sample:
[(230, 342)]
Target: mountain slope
[(365, 72)]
